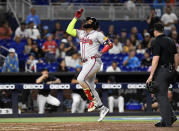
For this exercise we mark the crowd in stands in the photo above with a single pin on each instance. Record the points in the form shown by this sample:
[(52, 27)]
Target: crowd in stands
[(33, 47), (45, 2)]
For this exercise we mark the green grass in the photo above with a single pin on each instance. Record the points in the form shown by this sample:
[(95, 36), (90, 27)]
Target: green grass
[(69, 119)]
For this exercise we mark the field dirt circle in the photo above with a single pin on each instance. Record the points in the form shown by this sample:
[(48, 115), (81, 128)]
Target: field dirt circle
[(85, 126)]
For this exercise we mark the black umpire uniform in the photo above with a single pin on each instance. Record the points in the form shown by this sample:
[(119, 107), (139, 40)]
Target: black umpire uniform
[(164, 75)]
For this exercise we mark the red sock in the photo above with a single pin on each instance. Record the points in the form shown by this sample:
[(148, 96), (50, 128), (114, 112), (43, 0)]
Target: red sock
[(88, 93)]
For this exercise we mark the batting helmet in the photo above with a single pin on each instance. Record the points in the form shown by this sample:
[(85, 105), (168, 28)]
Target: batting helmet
[(94, 25)]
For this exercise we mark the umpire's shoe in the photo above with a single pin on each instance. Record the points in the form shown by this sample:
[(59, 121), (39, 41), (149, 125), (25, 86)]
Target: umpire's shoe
[(103, 111), (163, 124)]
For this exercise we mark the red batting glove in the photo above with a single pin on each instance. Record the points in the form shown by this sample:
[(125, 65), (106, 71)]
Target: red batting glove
[(78, 13)]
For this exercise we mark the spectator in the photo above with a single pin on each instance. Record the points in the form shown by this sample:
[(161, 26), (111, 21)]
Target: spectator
[(144, 31), (115, 99), (11, 63), (173, 29), (37, 51), (146, 40), (44, 96), (158, 5), (140, 50), (50, 47), (33, 32), (131, 9), (174, 36), (134, 31), (152, 19), (78, 97), (171, 2), (131, 60), (176, 39), (169, 19), (6, 100), (58, 32), (123, 37), (117, 47), (128, 46), (133, 40), (28, 47), (18, 45), (130, 4), (33, 17), (72, 61), (21, 31), (45, 31), (146, 61), (111, 33), (113, 67), (70, 47), (62, 52), (62, 67), (5, 31), (31, 63)]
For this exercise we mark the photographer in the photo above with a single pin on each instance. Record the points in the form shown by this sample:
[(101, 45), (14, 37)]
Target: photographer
[(163, 73)]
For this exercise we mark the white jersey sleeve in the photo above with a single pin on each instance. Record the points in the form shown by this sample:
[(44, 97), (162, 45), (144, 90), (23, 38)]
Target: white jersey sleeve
[(101, 37), (79, 33)]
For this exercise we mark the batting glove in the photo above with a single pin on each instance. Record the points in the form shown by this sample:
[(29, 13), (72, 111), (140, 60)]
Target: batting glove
[(78, 13)]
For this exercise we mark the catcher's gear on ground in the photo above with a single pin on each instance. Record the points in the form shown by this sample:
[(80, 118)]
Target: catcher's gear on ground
[(152, 87), (78, 13)]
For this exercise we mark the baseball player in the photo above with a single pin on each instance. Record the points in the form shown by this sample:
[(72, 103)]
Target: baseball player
[(44, 96), (90, 40)]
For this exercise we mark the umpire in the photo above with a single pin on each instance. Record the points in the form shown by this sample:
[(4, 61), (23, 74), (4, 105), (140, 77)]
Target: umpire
[(163, 72)]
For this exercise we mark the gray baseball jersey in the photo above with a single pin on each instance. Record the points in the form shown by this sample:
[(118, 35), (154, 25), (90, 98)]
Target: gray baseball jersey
[(90, 42)]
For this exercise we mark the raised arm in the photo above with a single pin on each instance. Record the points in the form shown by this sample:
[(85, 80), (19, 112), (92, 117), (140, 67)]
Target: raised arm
[(70, 29)]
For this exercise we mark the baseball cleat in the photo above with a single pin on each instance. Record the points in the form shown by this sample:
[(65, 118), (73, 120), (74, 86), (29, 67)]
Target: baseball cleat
[(103, 111), (92, 106)]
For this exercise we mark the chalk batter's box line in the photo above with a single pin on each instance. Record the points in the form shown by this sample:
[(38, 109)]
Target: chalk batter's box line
[(136, 118)]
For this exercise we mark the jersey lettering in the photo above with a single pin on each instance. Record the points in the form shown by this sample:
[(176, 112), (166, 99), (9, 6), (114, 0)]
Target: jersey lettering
[(86, 40)]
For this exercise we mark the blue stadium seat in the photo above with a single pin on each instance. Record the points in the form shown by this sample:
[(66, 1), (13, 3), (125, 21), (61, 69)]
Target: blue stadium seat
[(52, 69), (140, 56), (71, 69), (40, 42), (41, 66), (59, 60), (54, 64)]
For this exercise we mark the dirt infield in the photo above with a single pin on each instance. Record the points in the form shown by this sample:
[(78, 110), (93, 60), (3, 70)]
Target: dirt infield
[(85, 126)]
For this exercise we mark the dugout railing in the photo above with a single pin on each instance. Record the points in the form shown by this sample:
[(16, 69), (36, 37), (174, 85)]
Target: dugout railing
[(60, 87), (124, 80)]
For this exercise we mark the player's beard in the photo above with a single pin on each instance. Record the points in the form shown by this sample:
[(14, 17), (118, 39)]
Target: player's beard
[(87, 26)]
